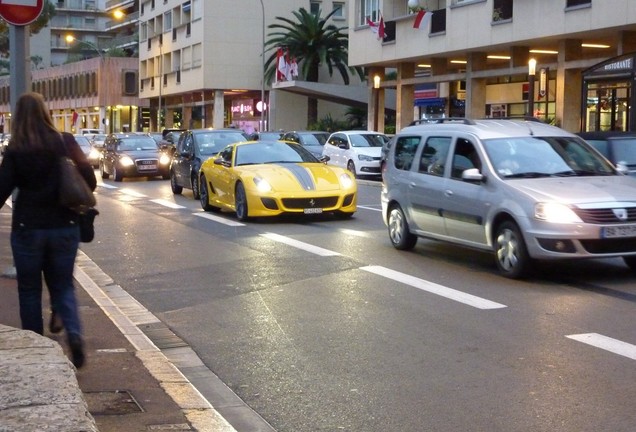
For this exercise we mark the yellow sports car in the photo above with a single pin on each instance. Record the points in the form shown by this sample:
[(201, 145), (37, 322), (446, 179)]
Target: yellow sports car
[(268, 178)]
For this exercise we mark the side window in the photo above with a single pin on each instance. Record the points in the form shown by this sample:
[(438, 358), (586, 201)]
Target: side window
[(465, 157), (433, 158), (226, 154), (405, 148), (187, 144)]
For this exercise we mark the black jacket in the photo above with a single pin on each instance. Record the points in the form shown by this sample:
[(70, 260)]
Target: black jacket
[(36, 176)]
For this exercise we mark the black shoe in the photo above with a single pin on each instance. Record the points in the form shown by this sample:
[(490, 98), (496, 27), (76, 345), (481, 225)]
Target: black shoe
[(77, 350), (55, 325)]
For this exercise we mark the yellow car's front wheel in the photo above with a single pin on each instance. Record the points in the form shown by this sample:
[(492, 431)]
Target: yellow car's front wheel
[(240, 202)]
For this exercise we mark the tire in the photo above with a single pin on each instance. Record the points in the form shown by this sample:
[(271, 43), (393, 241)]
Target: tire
[(352, 167), (511, 254), (103, 172), (204, 196), (117, 175), (630, 261), (196, 194), (240, 202), (399, 232), (176, 189)]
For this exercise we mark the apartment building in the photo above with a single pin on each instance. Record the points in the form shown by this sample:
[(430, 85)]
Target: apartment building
[(474, 57), (201, 64)]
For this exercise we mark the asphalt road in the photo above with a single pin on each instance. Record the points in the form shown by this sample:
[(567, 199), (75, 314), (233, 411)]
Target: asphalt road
[(318, 324)]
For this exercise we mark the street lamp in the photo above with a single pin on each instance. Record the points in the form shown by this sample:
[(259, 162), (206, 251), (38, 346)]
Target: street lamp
[(102, 64), (376, 116), (532, 70)]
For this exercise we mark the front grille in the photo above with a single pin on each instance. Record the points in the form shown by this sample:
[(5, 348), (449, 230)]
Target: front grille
[(142, 162), (610, 245), (604, 215), (303, 203)]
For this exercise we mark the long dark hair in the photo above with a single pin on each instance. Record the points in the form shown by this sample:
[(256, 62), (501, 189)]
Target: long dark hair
[(32, 127)]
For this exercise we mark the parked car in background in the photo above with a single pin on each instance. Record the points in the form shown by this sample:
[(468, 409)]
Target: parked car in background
[(133, 155), (358, 151), (170, 139), (618, 147), (193, 148), (268, 178), (523, 190), (89, 131), (84, 144), (311, 140), (265, 135), (97, 148)]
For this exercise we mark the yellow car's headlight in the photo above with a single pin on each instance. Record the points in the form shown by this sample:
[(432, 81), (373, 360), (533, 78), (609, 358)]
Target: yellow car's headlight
[(346, 181), (262, 185), (126, 161), (555, 213)]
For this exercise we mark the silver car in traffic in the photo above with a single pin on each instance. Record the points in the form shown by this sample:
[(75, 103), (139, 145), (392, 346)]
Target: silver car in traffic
[(522, 189)]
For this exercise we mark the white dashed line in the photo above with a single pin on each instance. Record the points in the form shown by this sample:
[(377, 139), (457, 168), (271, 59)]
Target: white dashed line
[(355, 232), (370, 208), (132, 193), (106, 186), (167, 203), (218, 219), (434, 288), (607, 343), (300, 245)]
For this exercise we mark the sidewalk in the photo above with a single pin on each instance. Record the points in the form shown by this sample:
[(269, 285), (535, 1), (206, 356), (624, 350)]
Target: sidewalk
[(120, 392)]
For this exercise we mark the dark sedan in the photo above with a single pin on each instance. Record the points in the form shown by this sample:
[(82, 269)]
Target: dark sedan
[(618, 147), (133, 155), (311, 140), (193, 148)]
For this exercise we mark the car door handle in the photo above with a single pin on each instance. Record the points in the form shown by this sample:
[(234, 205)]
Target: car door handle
[(448, 192)]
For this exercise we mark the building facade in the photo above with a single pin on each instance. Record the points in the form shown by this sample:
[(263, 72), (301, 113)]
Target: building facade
[(201, 64), (471, 58)]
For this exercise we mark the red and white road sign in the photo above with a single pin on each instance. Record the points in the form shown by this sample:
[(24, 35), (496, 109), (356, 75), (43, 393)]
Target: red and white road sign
[(21, 12)]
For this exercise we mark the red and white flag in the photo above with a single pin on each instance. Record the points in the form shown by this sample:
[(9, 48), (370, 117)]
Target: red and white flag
[(292, 69), (422, 19), (377, 28), (75, 115)]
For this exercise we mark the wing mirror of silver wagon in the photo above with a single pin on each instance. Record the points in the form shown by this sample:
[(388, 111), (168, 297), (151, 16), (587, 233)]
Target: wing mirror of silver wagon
[(621, 167), (473, 175)]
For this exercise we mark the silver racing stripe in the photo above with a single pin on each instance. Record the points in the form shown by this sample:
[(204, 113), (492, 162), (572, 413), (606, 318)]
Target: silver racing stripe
[(302, 174)]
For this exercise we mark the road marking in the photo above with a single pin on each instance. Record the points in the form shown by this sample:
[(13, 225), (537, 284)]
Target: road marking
[(167, 203), (607, 343), (224, 221), (434, 288), (106, 185), (300, 245), (369, 208), (355, 232), (132, 193)]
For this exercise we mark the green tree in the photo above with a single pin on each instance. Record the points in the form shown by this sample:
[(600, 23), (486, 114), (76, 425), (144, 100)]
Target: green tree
[(313, 43), (48, 12)]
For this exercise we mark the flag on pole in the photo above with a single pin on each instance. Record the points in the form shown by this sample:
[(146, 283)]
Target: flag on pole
[(422, 19), (75, 115), (293, 68), (377, 28)]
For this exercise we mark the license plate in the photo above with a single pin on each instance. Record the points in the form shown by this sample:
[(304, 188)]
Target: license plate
[(618, 231), (147, 167), (312, 210)]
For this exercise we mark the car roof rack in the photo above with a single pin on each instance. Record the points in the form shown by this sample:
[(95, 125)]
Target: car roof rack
[(526, 118), (442, 120)]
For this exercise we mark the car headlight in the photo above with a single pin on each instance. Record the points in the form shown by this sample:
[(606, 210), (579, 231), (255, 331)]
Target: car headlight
[(126, 161), (94, 154), (346, 181), (164, 159), (555, 213), (262, 185), (365, 158)]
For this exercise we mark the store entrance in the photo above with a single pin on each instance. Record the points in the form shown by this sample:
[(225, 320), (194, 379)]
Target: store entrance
[(608, 106)]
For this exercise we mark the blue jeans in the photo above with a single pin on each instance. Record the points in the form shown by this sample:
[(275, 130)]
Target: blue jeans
[(48, 252)]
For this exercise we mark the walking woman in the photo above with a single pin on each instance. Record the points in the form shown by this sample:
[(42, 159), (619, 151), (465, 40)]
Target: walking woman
[(44, 235)]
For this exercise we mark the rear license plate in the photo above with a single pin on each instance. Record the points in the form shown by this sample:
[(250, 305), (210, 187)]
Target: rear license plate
[(312, 210), (147, 167), (618, 231)]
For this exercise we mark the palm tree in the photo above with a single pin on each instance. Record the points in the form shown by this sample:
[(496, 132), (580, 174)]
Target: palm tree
[(313, 43)]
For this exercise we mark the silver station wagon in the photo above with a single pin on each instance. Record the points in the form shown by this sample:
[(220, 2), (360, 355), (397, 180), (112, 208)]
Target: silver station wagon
[(522, 189)]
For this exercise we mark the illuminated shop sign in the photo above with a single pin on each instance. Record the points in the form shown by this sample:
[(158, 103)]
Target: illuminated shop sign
[(243, 108)]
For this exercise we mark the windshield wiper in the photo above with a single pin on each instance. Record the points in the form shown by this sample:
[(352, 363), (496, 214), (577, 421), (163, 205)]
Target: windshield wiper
[(531, 174)]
